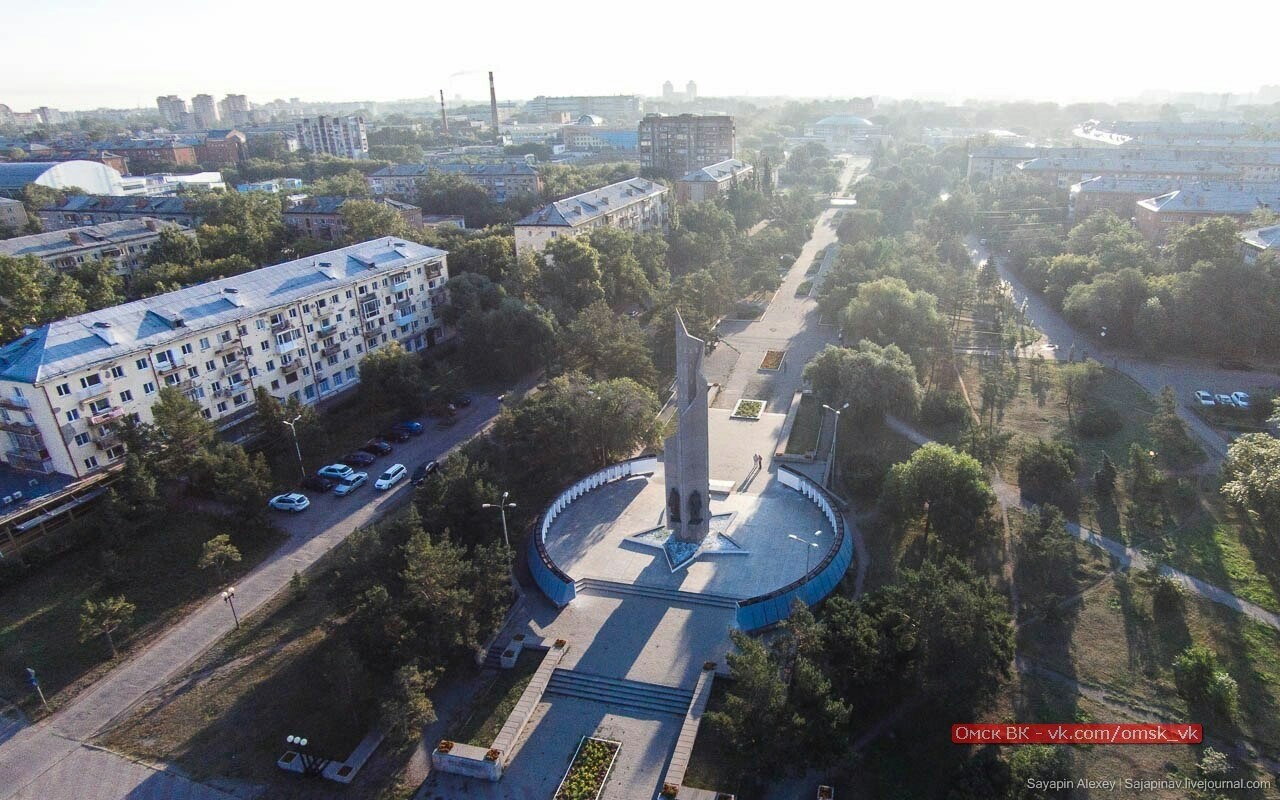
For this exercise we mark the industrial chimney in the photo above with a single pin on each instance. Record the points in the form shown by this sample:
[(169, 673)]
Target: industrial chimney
[(444, 118), (493, 108)]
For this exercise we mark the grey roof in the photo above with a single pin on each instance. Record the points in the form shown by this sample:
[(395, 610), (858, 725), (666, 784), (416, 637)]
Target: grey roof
[(15, 175), (1113, 163), (52, 243), (1110, 184), (459, 168), (717, 172), (1262, 238), (134, 205), (1216, 198), (74, 343), (326, 204), (587, 206), (845, 120), (8, 201)]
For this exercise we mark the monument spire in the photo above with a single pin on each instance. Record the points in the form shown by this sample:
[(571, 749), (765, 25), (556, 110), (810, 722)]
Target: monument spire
[(687, 466)]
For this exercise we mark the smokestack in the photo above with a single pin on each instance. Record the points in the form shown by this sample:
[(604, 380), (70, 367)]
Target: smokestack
[(493, 108), (444, 118)]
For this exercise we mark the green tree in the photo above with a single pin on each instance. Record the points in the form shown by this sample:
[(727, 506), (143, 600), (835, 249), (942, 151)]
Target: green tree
[(242, 481), (218, 552), (886, 311), (947, 488), (1104, 480), (606, 345), (407, 707), (1170, 433), (509, 340), (350, 183), (1034, 767), (366, 219), (175, 246), (570, 275), (1214, 240), (1047, 472), (181, 432), (391, 377), (22, 287), (754, 722), (105, 617), (873, 380), (1251, 476), (1203, 684), (1046, 556)]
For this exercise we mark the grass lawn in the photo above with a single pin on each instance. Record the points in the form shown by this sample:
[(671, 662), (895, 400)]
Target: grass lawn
[(39, 616), (804, 429), (711, 765), (804, 288), (489, 709)]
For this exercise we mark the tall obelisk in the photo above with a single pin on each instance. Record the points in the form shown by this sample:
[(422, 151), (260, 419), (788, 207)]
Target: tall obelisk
[(687, 464)]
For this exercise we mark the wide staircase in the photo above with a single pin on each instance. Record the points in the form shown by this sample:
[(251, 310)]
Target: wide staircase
[(619, 693), (601, 586)]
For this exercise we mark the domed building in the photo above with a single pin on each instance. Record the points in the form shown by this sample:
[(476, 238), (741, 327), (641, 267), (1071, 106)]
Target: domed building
[(845, 131)]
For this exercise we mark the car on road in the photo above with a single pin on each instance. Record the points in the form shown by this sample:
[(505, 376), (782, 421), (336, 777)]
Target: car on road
[(1226, 401), (378, 447), (394, 474), (423, 472), (335, 471), (1241, 399), (359, 458), (350, 483), (395, 435), (293, 501), (409, 426), (1205, 398), (318, 482)]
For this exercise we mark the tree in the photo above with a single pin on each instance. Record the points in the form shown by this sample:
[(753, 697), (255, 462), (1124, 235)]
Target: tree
[(510, 339), (1169, 431), (1104, 480), (1047, 555), (363, 220), (407, 707), (605, 345), (438, 596), (1214, 240), (181, 432), (242, 481), (1047, 472), (1076, 380), (451, 497), (104, 618), (755, 721), (1033, 769), (22, 287), (948, 488), (1203, 685), (391, 377), (570, 275), (1251, 476), (175, 246), (218, 552), (350, 183), (886, 311), (874, 380)]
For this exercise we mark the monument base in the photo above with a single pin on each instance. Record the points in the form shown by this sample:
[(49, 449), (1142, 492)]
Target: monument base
[(680, 554)]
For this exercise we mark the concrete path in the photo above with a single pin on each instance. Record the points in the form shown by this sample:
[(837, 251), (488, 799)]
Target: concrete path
[(41, 761)]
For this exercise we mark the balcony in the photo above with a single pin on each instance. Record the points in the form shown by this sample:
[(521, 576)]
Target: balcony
[(16, 426), (325, 331), (368, 310), (227, 346), (331, 350), (281, 326), (109, 441), (20, 459), (169, 366), (91, 392), (232, 389), (372, 335), (291, 366), (107, 415), (400, 283), (15, 403), (404, 320)]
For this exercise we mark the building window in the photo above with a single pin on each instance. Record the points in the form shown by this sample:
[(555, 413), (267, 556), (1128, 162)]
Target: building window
[(126, 396), (115, 452), (204, 343), (91, 462), (241, 399), (222, 407), (73, 415), (117, 372), (262, 324), (141, 363), (82, 439), (266, 344), (310, 392), (100, 405), (148, 388), (64, 389), (90, 381), (207, 413)]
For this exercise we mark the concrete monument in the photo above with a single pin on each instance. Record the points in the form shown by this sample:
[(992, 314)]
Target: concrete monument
[(687, 462)]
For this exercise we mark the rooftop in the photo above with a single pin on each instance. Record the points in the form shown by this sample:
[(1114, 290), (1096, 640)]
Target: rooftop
[(718, 171), (1112, 163), (1262, 238), (1216, 198), (845, 120), (51, 243), (585, 207), (460, 168), (1110, 184), (136, 205), (15, 175), (325, 204), (117, 332)]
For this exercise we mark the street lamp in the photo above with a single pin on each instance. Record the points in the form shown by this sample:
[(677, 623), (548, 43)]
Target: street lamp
[(809, 547), (229, 597), (312, 765), (604, 454), (502, 507), (297, 449), (826, 479)]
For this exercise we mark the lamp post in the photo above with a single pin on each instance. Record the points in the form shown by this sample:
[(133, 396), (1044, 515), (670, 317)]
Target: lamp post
[(312, 765), (502, 507), (808, 548), (296, 448), (229, 597), (604, 454), (35, 684), (835, 432)]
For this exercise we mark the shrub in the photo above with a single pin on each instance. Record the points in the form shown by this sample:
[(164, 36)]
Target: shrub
[(1099, 421), (1046, 473), (1202, 683)]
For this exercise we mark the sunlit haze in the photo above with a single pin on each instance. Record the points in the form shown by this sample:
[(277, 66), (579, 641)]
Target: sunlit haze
[(124, 54)]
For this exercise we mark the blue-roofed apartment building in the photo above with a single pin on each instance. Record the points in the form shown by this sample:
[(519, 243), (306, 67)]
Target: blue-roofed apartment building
[(636, 204), (299, 329)]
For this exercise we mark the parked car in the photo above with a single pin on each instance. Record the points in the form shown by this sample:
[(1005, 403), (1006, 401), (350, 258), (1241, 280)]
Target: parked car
[(289, 502), (423, 472), (378, 447), (1241, 398), (359, 458), (411, 427), (1205, 398), (335, 471), (394, 474), (395, 435), (350, 483), (1225, 400), (317, 482)]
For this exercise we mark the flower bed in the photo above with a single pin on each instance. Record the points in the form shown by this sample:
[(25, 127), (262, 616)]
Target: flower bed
[(772, 359), (589, 769), (748, 409)]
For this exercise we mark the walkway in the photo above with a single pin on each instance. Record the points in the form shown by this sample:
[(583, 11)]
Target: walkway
[(41, 761)]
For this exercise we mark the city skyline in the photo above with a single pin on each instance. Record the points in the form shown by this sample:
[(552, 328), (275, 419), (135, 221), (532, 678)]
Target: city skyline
[(1000, 53)]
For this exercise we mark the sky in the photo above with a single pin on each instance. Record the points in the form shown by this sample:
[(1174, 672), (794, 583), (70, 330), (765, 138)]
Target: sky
[(74, 54)]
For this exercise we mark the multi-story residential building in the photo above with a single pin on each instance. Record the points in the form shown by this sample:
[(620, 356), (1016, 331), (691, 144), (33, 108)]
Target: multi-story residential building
[(13, 215), (616, 108), (170, 151), (499, 180), (299, 329), (1254, 243), (1196, 202), (173, 109), (83, 209), (712, 181), (274, 186), (1067, 171), (344, 137), (590, 133), (222, 148), (90, 176), (680, 144), (635, 204), (321, 217), (1118, 195), (160, 184), (205, 110), (124, 243), (234, 109)]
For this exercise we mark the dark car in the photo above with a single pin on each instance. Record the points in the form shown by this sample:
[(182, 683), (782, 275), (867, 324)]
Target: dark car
[(377, 447), (411, 427), (395, 435), (359, 458), (317, 482), (423, 472)]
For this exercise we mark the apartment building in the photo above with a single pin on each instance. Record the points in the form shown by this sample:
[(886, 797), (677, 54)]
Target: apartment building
[(680, 144), (1114, 194), (1256, 242), (13, 215), (222, 148), (712, 181), (615, 107), (300, 329), (1064, 172), (1196, 202), (321, 217), (172, 151), (500, 180), (124, 243), (344, 137), (85, 209), (635, 204), (590, 134)]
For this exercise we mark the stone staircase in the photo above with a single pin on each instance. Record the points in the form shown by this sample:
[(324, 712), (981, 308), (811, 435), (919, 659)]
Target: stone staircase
[(493, 657), (619, 693), (601, 586)]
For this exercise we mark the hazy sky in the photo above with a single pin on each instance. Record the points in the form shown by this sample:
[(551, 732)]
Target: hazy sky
[(87, 53)]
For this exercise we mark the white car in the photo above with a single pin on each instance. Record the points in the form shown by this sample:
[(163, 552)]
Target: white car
[(290, 502), (394, 474), (1226, 400), (1241, 398), (350, 483), (338, 472), (1205, 398)]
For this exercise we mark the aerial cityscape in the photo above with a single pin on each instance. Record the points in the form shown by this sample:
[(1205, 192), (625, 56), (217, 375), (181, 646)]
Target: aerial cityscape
[(806, 418)]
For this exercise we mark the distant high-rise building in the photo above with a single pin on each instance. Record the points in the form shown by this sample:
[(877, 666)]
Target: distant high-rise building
[(616, 108), (680, 144), (344, 137), (205, 111), (691, 91), (235, 109), (51, 116), (172, 108), (668, 90)]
